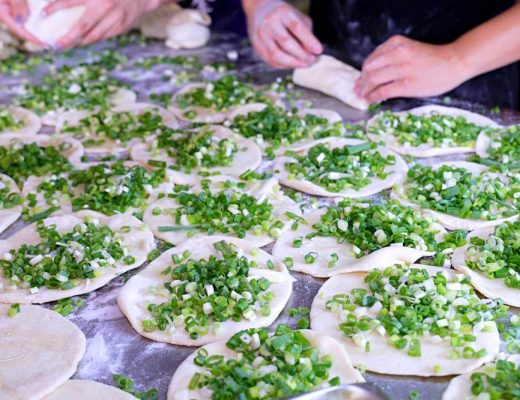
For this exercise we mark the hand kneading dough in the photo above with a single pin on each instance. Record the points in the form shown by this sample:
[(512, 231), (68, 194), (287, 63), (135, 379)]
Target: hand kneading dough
[(341, 366), (39, 350), (49, 29), (188, 29), (139, 242), (324, 247), (332, 77), (136, 293), (8, 216), (489, 287), (88, 390), (383, 357), (460, 387)]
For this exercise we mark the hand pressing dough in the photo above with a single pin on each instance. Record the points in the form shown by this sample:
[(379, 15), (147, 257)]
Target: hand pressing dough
[(383, 357), (49, 29), (73, 118), (136, 293), (427, 150), (32, 123), (153, 24), (489, 287), (332, 77), (39, 350), (268, 190), (139, 242), (341, 366), (347, 262), (188, 29), (72, 149), (460, 386), (396, 173), (9, 216), (88, 390), (449, 221)]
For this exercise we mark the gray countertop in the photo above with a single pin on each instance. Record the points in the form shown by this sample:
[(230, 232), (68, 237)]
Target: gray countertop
[(113, 346)]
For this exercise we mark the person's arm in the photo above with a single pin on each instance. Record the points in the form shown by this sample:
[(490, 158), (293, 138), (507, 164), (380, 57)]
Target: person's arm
[(102, 18), (281, 34), (13, 13), (402, 67)]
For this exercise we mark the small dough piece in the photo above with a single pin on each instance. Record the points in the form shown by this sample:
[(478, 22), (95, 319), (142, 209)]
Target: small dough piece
[(88, 390), (137, 292), (32, 123), (8, 42), (396, 173), (460, 386), (427, 150), (69, 147), (332, 77), (449, 221), (50, 28), (247, 157), (347, 261), (39, 350), (383, 357), (73, 118), (139, 241), (188, 29), (153, 24), (491, 288), (341, 366), (269, 190), (9, 216)]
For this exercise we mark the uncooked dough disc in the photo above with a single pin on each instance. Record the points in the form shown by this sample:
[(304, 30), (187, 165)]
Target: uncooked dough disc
[(88, 390), (39, 350), (31, 122)]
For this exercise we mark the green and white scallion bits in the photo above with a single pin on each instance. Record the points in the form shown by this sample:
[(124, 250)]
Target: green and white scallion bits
[(8, 122), (499, 148)]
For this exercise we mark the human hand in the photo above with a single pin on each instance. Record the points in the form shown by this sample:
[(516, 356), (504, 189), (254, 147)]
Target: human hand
[(102, 19), (281, 34), (13, 13), (403, 67)]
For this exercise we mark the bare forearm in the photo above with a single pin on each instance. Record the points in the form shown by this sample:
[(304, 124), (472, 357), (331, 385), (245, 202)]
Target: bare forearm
[(491, 45)]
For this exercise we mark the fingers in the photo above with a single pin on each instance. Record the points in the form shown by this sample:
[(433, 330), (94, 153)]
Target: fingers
[(382, 55), (371, 80), (300, 30), (276, 57), (78, 31), (399, 88), (103, 29), (19, 10), (291, 46), (61, 5)]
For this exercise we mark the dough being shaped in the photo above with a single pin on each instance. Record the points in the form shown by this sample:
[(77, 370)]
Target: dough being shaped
[(50, 28), (138, 241), (247, 156), (268, 191), (8, 43), (493, 288), (396, 172), (147, 287), (69, 147), (88, 390), (449, 221), (324, 246), (460, 386), (39, 350), (341, 366), (121, 97), (31, 122), (188, 29), (383, 357), (71, 119), (153, 24), (332, 77), (331, 119), (425, 149), (9, 216)]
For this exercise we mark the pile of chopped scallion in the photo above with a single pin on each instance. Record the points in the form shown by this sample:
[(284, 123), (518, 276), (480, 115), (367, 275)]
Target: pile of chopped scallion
[(503, 152), (8, 198), (8, 122), (404, 304), (499, 381), (204, 293), (267, 366), (62, 260)]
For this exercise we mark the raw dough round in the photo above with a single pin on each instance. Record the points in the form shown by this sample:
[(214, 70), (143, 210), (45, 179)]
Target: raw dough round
[(188, 29), (9, 216), (32, 122), (88, 390), (39, 350)]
